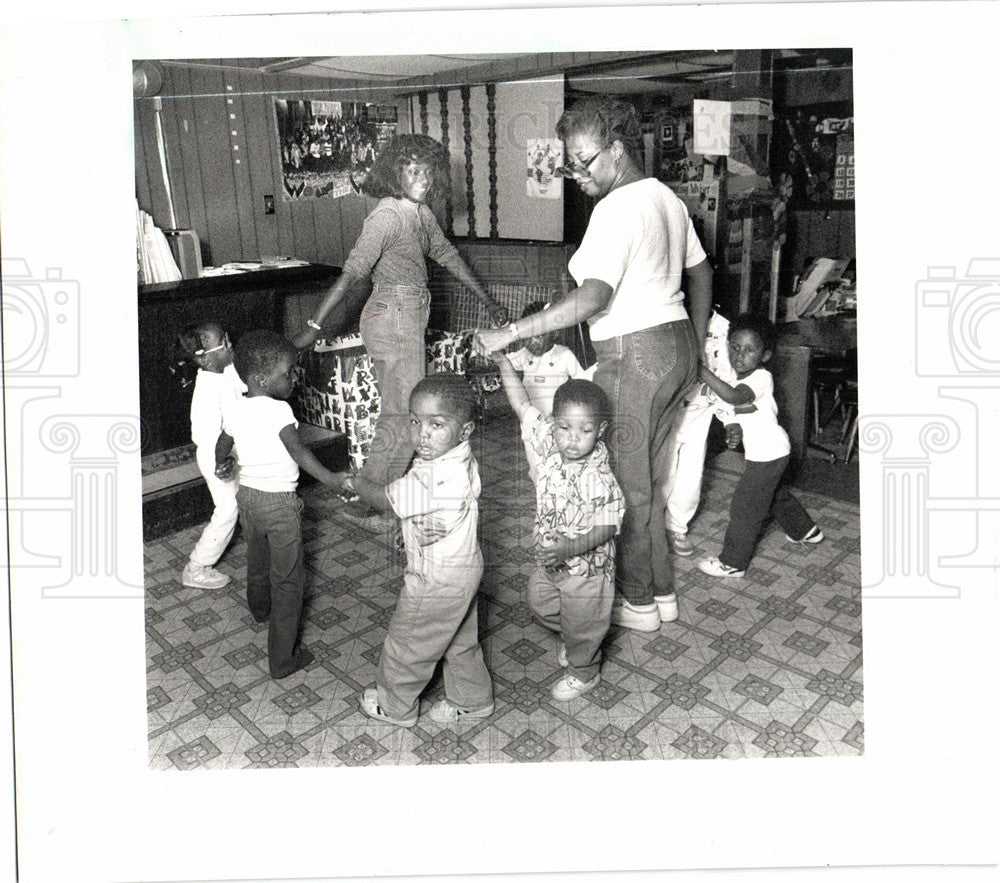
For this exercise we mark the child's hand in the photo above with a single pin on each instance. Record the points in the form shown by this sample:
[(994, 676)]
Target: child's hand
[(498, 315), (225, 468), (343, 486), (553, 550), (430, 528), (734, 435)]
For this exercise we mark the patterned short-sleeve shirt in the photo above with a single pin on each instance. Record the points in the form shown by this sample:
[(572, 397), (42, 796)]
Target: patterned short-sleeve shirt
[(573, 498)]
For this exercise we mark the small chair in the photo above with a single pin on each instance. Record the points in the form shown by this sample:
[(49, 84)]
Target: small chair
[(849, 402), (829, 376)]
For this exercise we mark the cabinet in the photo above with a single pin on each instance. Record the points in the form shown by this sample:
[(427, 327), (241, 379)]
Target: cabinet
[(240, 302)]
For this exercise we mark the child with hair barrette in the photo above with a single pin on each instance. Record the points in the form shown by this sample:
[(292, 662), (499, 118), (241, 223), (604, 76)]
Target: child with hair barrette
[(206, 347), (544, 366), (759, 493)]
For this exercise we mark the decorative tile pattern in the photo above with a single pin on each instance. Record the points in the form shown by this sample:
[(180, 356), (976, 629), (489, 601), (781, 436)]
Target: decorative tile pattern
[(765, 666)]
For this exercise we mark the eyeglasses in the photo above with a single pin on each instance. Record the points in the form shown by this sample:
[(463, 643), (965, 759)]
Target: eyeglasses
[(582, 168), (221, 346)]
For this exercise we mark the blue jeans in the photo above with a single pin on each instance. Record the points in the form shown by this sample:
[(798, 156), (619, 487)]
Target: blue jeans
[(645, 375), (272, 522), (393, 323)]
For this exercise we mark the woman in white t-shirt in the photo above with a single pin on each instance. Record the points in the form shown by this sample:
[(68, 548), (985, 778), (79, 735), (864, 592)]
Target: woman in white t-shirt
[(628, 269), (759, 493)]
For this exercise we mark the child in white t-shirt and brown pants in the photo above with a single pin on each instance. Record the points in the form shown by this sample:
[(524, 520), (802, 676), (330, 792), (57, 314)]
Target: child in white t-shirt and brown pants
[(759, 492), (269, 453)]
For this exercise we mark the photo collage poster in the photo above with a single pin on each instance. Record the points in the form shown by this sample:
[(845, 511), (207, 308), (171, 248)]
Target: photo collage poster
[(328, 147)]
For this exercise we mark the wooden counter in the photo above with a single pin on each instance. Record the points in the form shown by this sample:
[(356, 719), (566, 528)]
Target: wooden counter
[(240, 302)]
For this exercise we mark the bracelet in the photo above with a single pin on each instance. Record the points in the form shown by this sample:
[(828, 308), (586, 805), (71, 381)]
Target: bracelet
[(313, 324)]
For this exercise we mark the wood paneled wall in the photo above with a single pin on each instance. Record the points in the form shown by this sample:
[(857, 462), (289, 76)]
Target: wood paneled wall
[(221, 141), (221, 149)]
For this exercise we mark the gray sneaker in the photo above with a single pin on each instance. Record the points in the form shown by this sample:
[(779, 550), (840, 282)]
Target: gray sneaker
[(195, 576)]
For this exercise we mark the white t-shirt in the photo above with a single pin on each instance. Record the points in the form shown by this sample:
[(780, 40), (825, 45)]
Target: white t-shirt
[(254, 423), (639, 240), (440, 495), (211, 390), (544, 374), (763, 438)]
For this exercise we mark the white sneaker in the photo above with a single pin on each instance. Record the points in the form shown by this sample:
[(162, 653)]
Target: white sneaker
[(815, 535), (570, 687), (561, 656), (445, 712), (679, 544), (641, 617), (714, 567), (669, 611), (195, 576), (369, 705)]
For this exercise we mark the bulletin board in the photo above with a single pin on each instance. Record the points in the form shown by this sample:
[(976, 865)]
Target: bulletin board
[(815, 145)]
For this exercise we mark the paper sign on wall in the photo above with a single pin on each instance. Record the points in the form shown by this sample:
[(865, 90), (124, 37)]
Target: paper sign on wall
[(711, 127), (544, 157)]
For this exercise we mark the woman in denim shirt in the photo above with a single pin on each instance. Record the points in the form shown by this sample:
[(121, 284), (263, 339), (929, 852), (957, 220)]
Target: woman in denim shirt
[(398, 235)]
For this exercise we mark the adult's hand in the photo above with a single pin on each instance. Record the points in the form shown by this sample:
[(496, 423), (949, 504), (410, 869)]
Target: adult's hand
[(489, 340)]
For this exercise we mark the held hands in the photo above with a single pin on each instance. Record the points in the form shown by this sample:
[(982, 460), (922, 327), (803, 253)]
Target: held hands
[(225, 468), (486, 341), (734, 435), (343, 486), (305, 339)]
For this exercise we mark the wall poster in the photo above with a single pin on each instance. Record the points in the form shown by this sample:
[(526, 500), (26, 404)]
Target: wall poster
[(544, 157), (327, 147)]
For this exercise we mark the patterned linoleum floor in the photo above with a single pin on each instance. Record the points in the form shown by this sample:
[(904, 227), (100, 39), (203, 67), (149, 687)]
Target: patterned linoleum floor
[(766, 666)]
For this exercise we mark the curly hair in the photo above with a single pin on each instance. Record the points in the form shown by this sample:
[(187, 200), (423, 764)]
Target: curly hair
[(585, 393), (607, 119), (765, 330), (258, 352), (453, 390), (383, 179)]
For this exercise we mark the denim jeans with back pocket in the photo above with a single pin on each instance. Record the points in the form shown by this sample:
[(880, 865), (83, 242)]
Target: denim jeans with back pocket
[(645, 375)]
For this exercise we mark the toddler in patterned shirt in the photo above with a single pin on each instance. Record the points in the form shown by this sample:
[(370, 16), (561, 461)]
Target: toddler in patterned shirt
[(579, 511)]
